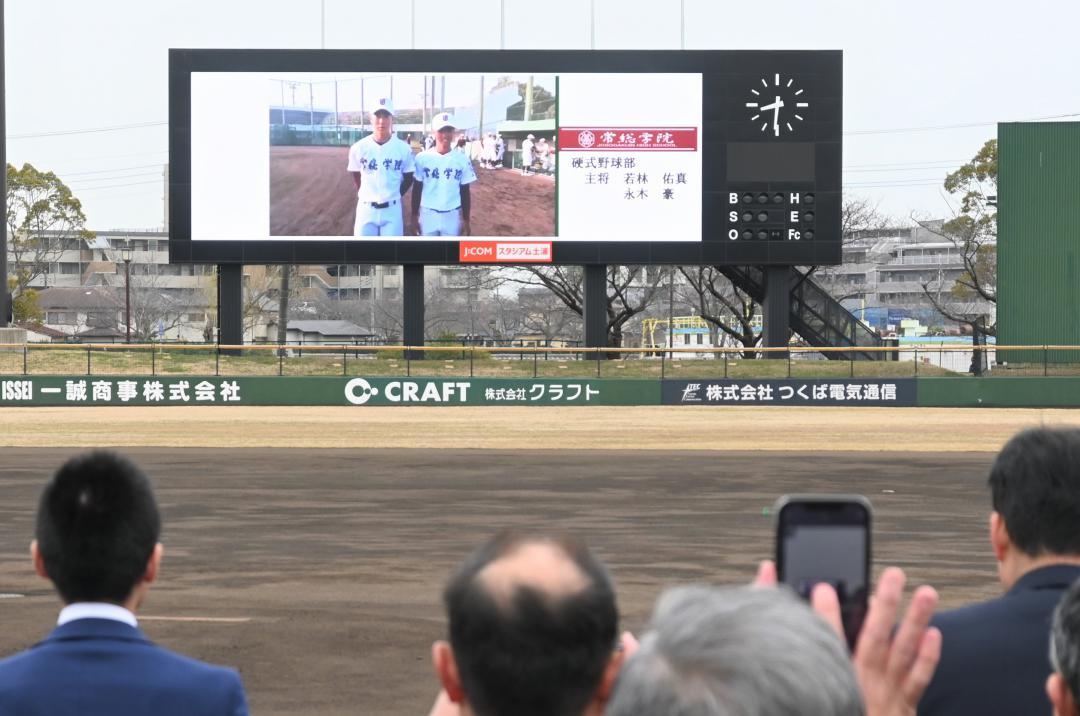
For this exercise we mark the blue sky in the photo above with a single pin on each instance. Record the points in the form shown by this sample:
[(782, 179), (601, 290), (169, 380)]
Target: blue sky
[(925, 82)]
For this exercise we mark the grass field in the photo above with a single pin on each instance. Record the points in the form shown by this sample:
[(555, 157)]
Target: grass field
[(166, 360)]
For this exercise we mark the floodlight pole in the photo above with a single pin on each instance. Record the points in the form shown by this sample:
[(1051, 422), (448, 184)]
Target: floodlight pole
[(594, 288), (5, 298)]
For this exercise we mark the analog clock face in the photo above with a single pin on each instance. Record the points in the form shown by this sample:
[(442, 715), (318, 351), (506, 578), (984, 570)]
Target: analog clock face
[(777, 105)]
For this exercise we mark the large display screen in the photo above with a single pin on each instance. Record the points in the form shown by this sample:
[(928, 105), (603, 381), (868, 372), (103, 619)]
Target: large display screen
[(504, 157)]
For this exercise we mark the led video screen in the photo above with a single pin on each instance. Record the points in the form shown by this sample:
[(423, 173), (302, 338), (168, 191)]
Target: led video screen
[(504, 156)]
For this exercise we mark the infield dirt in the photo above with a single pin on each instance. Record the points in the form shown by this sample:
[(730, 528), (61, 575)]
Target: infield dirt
[(547, 428), (316, 571), (311, 194)]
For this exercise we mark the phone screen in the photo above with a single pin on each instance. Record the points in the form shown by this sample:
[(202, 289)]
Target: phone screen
[(827, 541)]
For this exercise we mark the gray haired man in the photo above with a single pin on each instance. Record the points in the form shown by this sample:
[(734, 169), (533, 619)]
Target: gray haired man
[(713, 652), (1063, 686), (719, 652)]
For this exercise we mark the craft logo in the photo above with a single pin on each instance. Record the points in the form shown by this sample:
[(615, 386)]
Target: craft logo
[(358, 391), (586, 138)]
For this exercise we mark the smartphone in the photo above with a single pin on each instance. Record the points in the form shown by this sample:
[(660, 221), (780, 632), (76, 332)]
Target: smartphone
[(826, 538)]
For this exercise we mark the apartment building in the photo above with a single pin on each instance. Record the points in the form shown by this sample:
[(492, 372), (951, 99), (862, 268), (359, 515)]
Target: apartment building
[(884, 272)]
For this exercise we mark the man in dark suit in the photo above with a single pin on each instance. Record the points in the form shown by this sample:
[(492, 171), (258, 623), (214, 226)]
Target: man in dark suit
[(994, 657), (97, 542)]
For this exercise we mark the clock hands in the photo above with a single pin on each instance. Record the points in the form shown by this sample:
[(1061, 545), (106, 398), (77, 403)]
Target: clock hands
[(775, 106), (778, 103)]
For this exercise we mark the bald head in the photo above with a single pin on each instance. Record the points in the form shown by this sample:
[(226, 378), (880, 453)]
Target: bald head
[(533, 624), (540, 565)]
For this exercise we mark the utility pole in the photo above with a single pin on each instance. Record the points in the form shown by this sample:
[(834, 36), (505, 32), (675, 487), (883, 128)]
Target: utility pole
[(5, 298)]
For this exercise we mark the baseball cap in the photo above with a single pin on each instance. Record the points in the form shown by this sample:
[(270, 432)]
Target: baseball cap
[(530, 137), (442, 121), (383, 104)]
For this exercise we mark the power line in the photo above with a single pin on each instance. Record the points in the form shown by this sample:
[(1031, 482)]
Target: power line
[(905, 130), (908, 164), (117, 186), (887, 185), (65, 132), (898, 169), (80, 182), (118, 169)]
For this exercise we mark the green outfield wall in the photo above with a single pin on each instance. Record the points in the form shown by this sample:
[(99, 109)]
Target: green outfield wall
[(1038, 244), (272, 390), (1031, 392), (57, 390)]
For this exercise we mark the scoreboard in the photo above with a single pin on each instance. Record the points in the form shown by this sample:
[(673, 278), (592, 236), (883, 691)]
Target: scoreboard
[(656, 157)]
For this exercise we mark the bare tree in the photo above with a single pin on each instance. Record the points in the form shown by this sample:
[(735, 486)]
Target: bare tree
[(154, 312), (543, 313), (154, 309), (722, 305), (973, 232), (859, 214), (630, 291), (859, 217), (261, 284)]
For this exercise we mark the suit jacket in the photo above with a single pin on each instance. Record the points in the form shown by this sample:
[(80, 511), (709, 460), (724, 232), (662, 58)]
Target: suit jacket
[(92, 667), (995, 656)]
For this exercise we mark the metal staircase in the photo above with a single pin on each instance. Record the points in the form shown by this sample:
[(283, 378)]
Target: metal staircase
[(815, 315)]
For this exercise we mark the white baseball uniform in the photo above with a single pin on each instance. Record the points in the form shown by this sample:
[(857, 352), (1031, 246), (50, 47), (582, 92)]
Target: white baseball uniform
[(382, 168), (526, 154), (442, 175)]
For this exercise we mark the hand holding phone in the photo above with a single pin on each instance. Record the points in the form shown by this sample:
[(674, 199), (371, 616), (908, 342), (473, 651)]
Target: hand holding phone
[(826, 538)]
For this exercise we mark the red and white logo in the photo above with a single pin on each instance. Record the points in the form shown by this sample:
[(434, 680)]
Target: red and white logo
[(511, 252), (628, 139)]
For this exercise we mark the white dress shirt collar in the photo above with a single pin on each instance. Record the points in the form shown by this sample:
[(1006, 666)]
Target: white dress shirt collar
[(96, 610)]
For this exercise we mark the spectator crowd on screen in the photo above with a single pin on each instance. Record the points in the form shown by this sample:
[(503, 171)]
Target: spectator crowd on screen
[(533, 622)]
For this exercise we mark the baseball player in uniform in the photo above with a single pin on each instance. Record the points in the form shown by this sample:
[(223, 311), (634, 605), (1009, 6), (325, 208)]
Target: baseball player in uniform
[(382, 168), (440, 200), (527, 155)]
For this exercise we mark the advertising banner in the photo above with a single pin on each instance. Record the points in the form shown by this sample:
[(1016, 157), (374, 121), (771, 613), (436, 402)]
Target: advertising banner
[(268, 390), (791, 391)]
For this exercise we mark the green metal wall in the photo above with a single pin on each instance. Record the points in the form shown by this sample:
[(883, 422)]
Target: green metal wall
[(1038, 234)]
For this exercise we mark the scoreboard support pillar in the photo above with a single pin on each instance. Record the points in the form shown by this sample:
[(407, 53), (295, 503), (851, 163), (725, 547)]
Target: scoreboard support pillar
[(776, 309), (595, 306), (230, 304), (413, 310)]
